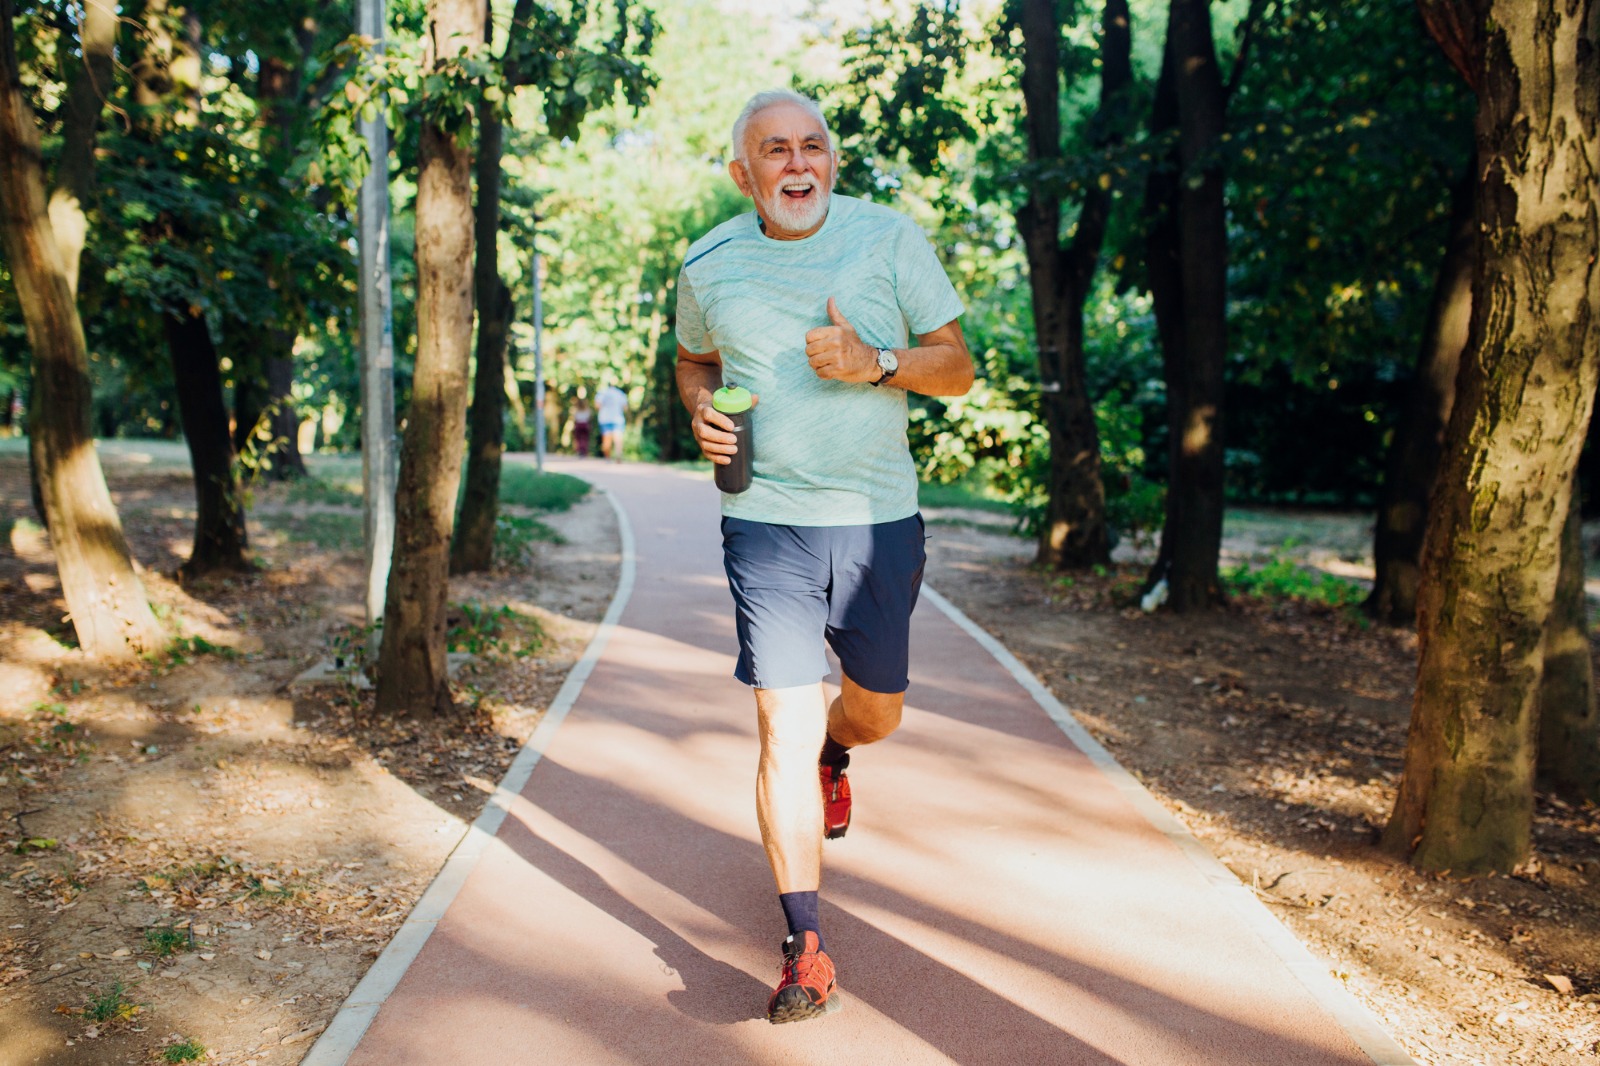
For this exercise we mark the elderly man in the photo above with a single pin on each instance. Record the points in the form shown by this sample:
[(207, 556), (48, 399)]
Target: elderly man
[(807, 302)]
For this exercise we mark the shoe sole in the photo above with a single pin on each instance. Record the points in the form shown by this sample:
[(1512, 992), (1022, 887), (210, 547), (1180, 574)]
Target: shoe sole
[(837, 831), (799, 1008)]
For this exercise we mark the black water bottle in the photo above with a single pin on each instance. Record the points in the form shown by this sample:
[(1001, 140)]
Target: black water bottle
[(734, 402)]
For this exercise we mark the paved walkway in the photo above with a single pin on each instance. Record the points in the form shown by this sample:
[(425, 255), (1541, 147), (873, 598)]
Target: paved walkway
[(1006, 893)]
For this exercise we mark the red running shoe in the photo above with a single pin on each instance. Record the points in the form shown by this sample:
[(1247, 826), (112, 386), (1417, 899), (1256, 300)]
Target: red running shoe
[(805, 984), (835, 800)]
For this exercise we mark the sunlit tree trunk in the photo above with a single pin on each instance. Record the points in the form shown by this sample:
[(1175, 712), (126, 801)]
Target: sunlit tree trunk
[(1569, 719), (412, 675), (89, 85), (1524, 397), (104, 596), (1413, 459), (1060, 276)]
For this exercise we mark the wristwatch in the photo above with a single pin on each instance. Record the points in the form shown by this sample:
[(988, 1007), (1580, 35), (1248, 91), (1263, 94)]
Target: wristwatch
[(888, 362)]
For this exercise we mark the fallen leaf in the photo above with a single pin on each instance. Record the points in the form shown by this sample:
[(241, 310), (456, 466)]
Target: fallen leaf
[(263, 953), (1560, 983)]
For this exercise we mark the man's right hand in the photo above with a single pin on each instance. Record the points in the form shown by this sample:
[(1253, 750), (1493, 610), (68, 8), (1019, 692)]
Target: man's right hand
[(713, 431)]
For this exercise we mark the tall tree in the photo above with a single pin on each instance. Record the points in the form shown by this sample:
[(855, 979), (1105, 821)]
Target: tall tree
[(1188, 263), (412, 669), (1569, 715), (1413, 460), (1524, 397), (167, 98), (106, 600), (1060, 273), (539, 42)]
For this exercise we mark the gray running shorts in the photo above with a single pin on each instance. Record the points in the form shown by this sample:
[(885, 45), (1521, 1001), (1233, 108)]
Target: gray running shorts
[(795, 587)]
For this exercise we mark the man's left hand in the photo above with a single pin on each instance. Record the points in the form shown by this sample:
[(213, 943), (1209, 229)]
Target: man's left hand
[(838, 352)]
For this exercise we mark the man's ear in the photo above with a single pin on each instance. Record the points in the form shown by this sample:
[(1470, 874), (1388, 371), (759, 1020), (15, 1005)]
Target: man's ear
[(740, 176)]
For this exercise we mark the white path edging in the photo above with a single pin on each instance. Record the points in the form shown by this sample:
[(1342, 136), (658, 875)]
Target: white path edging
[(349, 1025), (1355, 1018)]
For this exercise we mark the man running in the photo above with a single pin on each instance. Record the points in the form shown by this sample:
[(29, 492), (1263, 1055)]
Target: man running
[(611, 408), (807, 302)]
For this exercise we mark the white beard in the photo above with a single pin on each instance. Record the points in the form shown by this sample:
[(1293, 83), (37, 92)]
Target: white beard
[(798, 217)]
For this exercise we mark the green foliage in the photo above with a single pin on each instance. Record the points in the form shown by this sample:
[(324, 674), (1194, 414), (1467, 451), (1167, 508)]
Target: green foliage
[(184, 1051), (111, 1005), (525, 486), (182, 649), (164, 940), (1281, 578), (515, 536), (480, 630)]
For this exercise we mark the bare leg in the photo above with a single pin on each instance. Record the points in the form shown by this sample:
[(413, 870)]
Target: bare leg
[(858, 716), (792, 723)]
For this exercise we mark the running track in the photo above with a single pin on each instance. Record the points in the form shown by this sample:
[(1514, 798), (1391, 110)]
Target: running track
[(1006, 894)]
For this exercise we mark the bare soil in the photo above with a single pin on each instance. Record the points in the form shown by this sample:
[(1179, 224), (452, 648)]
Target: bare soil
[(232, 851), (196, 850)]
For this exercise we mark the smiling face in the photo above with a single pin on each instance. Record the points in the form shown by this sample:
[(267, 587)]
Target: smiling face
[(788, 168)]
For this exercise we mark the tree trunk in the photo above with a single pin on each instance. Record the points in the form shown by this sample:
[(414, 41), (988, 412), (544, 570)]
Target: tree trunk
[(220, 542), (1164, 273), (1492, 554), (1074, 531), (480, 506), (89, 86), (412, 677), (1203, 260), (104, 596), (1569, 720), (1413, 459)]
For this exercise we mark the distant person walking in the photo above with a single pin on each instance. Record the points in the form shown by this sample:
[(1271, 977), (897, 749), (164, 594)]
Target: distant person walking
[(806, 302), (581, 417), (611, 404)]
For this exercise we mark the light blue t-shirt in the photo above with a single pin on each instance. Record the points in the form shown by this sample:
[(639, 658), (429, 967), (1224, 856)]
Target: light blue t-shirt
[(826, 453)]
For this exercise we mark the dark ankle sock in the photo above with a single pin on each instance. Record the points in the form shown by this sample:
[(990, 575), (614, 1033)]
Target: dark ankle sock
[(834, 754), (800, 911)]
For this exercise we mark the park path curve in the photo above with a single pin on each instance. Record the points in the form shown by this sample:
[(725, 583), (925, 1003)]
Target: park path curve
[(1007, 894)]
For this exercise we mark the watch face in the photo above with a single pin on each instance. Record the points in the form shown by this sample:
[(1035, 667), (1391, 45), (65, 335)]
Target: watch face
[(888, 360)]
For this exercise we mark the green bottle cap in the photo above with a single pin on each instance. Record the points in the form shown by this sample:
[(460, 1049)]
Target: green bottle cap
[(731, 399)]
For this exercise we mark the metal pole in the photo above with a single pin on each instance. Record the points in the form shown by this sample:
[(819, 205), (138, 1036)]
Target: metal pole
[(538, 359), (378, 452)]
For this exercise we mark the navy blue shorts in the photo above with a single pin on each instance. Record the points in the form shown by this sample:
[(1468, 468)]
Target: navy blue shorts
[(795, 587)]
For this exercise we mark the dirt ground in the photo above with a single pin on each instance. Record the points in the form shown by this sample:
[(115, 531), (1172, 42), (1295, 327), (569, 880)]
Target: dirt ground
[(197, 851)]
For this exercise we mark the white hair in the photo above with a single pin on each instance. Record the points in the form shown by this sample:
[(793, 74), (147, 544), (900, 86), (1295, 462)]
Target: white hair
[(763, 100)]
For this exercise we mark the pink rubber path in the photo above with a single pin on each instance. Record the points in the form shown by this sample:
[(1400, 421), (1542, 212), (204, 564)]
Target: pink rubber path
[(997, 899)]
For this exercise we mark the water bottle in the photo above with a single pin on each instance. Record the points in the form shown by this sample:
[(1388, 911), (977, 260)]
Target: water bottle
[(734, 402)]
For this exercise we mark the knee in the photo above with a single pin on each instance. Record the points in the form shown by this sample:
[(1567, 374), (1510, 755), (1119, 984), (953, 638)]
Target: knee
[(873, 715)]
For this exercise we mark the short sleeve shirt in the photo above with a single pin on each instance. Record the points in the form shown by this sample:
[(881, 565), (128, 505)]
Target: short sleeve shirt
[(826, 453)]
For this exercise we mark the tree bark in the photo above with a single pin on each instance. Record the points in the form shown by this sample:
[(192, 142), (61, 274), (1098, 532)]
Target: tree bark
[(1188, 265), (89, 85), (1492, 554), (1074, 531), (1413, 460), (1569, 719), (220, 541), (480, 506), (104, 596), (412, 674)]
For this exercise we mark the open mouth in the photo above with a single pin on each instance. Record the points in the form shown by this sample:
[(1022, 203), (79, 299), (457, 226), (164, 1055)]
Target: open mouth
[(797, 190)]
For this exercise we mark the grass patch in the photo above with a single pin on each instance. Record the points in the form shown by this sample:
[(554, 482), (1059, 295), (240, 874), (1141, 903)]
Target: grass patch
[(330, 530), (1281, 578), (163, 941), (112, 1005), (332, 492), (515, 536), (967, 493), (527, 487), (481, 630), (187, 1051)]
